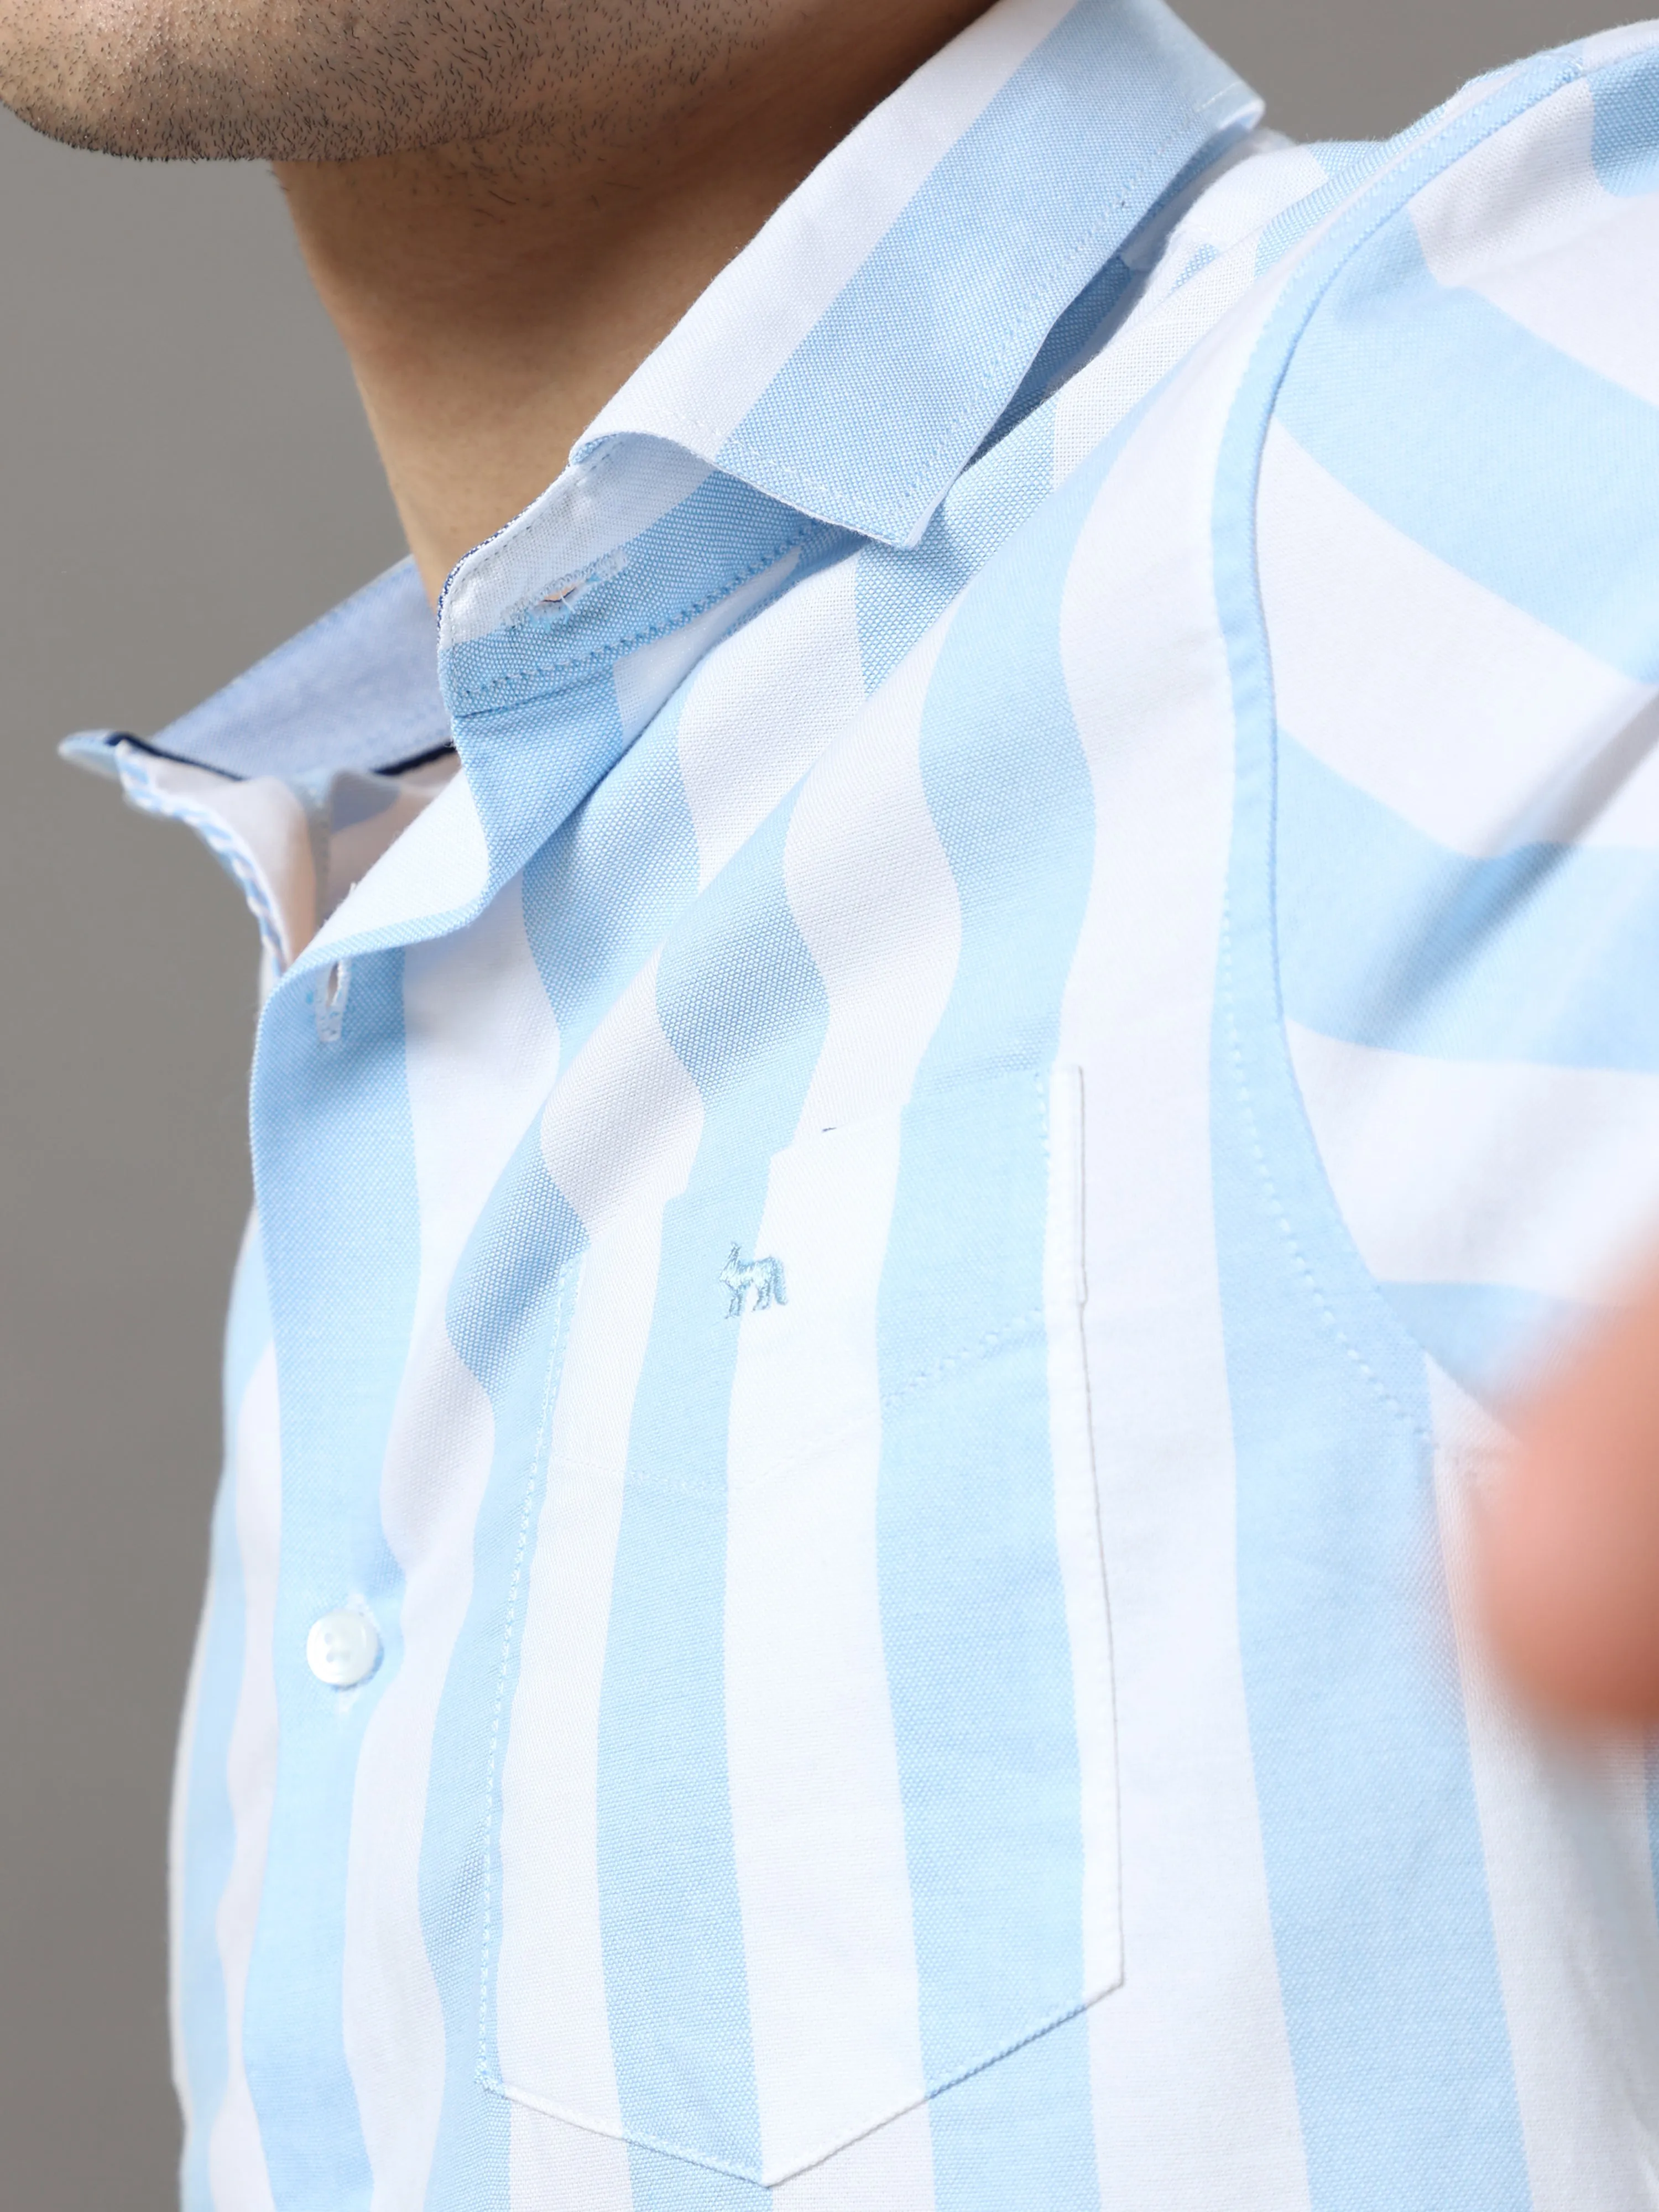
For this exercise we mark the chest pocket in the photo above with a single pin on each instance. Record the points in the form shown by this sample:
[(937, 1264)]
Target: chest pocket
[(807, 1803)]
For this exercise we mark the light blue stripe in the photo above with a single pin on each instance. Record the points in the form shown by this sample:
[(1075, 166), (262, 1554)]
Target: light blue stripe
[(1079, 335), (1065, 162), (1370, 1836), (1011, 2137), (1543, 954), (247, 1327), (535, 702), (334, 1171), (1624, 145), (1370, 1830), (508, 1317), (1489, 1337), (744, 1007), (1008, 787), (210, 1831), (900, 595), (1505, 458), (973, 1607), (973, 1611), (600, 894)]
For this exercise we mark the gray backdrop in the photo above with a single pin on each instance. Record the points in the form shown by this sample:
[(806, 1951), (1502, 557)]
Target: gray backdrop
[(185, 478)]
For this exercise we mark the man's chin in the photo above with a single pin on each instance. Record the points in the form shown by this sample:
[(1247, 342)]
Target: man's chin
[(113, 127), (202, 81), (351, 80)]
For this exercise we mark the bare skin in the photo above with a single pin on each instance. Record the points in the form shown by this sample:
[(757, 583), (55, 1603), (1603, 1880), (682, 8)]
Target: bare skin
[(505, 204), (492, 298)]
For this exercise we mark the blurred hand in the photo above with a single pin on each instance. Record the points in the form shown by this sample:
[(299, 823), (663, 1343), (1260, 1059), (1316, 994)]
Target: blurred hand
[(1570, 1545)]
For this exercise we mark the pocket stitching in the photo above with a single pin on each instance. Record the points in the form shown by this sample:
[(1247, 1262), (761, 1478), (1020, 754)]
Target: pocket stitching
[(550, 2109), (1070, 1304)]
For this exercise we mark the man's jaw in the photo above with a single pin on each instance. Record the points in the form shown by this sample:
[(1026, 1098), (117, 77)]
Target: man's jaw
[(339, 80)]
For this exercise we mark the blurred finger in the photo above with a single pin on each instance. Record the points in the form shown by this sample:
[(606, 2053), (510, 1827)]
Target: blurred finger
[(1570, 1554)]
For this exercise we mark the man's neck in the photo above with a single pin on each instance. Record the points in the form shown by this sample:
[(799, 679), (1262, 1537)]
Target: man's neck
[(492, 298)]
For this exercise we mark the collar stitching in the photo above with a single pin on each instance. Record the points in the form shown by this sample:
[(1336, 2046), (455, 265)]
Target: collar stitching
[(663, 626), (881, 520)]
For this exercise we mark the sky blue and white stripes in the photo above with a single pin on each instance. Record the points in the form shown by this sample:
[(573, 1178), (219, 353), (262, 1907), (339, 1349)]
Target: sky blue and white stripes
[(1124, 861)]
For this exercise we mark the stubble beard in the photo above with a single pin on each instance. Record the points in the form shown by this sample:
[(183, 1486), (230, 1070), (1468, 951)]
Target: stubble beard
[(344, 80)]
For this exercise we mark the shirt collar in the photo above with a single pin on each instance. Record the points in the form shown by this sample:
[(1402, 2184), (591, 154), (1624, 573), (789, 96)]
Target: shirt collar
[(852, 359), (356, 690), (847, 364)]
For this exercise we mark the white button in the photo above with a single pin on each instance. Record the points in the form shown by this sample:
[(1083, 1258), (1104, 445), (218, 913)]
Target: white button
[(344, 1649)]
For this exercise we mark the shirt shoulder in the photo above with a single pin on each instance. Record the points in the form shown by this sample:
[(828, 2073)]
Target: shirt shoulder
[(1481, 374), (1457, 548)]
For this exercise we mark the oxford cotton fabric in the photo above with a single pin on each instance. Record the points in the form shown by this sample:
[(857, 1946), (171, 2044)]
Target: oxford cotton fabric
[(893, 1209)]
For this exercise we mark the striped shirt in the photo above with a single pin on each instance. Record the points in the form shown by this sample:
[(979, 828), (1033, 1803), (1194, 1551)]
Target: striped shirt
[(910, 1112)]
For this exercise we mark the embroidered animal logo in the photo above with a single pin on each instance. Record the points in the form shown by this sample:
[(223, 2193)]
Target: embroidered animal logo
[(763, 1277)]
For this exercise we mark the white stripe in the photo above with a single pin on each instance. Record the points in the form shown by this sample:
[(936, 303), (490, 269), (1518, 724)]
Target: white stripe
[(1605, 48), (1091, 407), (1165, 328), (817, 1813), (481, 1051), (1429, 1158), (1077, 1527), (1194, 2101), (1478, 724), (739, 757), (1563, 1830), (1252, 191), (865, 872), (624, 1124), (817, 1816), (179, 1833), (553, 2036), (552, 2029), (391, 2019), (646, 679), (619, 1137), (555, 2168), (889, 2171), (745, 328), (440, 866), (1525, 220), (1161, 335), (237, 2179), (355, 847)]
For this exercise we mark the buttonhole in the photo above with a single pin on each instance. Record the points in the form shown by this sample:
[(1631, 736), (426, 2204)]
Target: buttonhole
[(330, 1001), (563, 596)]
